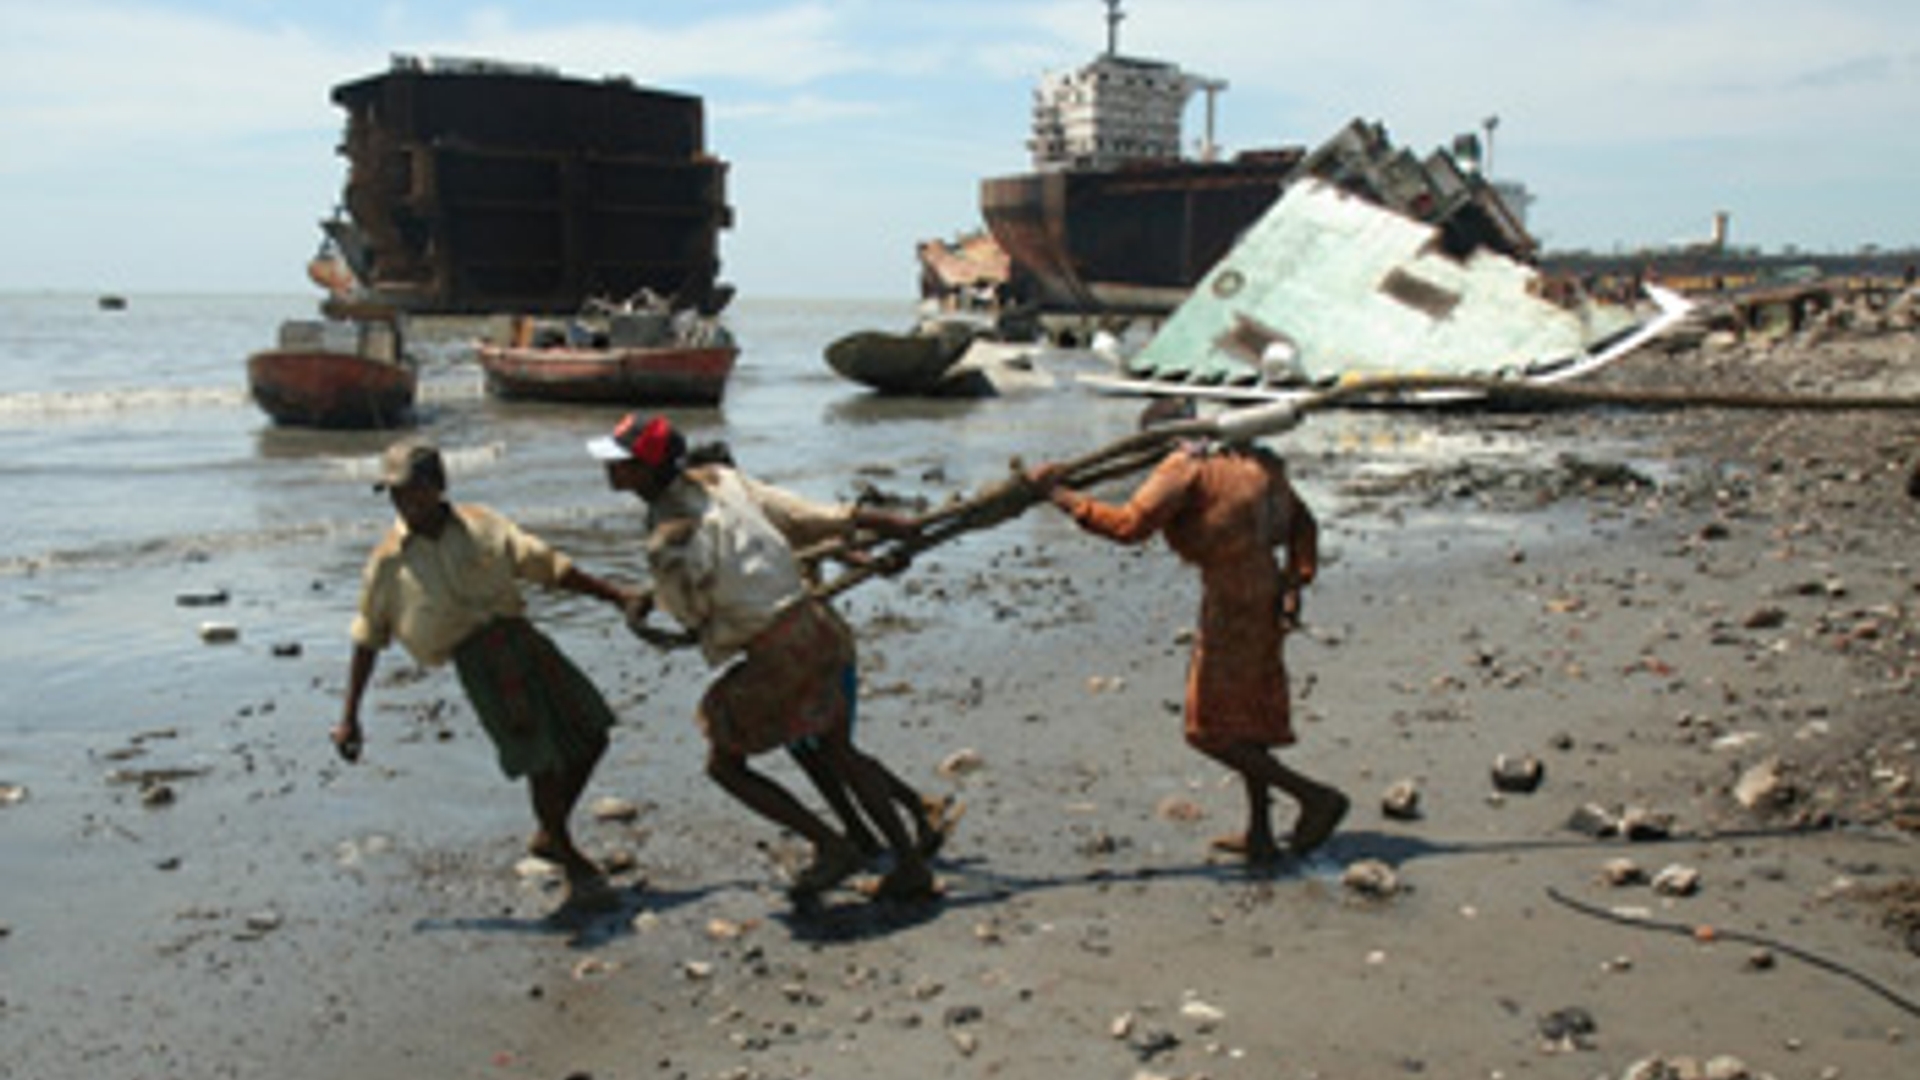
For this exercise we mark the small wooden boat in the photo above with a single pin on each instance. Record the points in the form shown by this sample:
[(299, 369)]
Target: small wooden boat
[(333, 374), (663, 374), (628, 358)]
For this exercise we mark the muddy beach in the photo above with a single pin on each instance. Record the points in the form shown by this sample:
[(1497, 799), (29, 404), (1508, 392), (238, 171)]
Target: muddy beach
[(1688, 636)]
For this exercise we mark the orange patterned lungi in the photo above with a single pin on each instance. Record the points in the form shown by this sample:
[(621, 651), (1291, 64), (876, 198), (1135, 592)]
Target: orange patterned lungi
[(792, 683), (1227, 513)]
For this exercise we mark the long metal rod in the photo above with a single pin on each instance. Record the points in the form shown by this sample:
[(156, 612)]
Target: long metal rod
[(1004, 500)]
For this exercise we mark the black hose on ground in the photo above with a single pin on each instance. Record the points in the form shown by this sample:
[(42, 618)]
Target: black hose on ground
[(1704, 933)]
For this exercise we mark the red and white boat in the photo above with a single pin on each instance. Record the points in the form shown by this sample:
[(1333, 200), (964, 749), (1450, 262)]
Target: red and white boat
[(628, 358), (335, 374)]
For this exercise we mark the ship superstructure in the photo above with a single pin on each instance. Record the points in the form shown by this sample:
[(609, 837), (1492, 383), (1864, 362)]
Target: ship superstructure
[(1115, 219)]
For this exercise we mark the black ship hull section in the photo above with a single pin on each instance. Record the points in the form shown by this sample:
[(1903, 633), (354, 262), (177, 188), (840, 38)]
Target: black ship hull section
[(482, 192), (1133, 240)]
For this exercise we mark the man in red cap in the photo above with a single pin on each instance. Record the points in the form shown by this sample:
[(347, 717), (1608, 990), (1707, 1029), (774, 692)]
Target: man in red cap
[(445, 582), (721, 548)]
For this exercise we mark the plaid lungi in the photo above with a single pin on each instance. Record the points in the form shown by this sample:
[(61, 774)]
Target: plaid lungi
[(1237, 675), (794, 682), (540, 711)]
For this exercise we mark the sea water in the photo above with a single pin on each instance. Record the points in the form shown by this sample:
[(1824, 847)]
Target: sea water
[(137, 477)]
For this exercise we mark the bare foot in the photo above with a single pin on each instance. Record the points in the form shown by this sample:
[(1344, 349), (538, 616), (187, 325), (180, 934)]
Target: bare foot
[(1261, 851), (908, 883), (831, 866), (590, 892), (1319, 817), (563, 854), (938, 818)]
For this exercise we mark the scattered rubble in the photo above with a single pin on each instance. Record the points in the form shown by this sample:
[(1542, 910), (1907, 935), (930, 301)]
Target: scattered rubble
[(1401, 801), (1622, 872), (610, 808), (1677, 880), (1563, 1030), (1631, 823), (961, 763), (1371, 878), (1520, 774), (1764, 786), (1719, 1067), (201, 598)]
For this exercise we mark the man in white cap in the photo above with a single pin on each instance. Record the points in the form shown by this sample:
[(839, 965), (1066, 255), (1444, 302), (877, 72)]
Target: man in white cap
[(445, 582), (721, 548)]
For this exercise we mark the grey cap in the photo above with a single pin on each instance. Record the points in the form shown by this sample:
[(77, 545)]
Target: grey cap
[(411, 461)]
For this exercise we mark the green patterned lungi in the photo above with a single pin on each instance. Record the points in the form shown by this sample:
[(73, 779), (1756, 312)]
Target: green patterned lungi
[(540, 711)]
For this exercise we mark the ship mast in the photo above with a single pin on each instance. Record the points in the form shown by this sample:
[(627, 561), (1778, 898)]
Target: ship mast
[(1209, 149)]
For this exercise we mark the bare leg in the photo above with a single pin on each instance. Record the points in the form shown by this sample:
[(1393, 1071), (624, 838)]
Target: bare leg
[(1321, 807), (555, 794), (927, 815), (835, 793), (909, 877), (932, 819), (835, 857)]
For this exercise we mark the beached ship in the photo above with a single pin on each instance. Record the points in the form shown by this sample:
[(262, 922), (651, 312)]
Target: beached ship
[(476, 187), (332, 373), (1113, 218)]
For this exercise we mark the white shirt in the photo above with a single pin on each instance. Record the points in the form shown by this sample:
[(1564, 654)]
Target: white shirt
[(721, 549)]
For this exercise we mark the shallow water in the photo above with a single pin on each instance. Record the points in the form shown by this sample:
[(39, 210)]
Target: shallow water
[(135, 470)]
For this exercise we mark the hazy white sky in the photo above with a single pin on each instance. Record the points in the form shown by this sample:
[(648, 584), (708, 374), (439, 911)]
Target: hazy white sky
[(189, 145)]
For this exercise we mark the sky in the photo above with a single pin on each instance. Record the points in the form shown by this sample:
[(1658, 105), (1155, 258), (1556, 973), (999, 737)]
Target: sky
[(190, 146)]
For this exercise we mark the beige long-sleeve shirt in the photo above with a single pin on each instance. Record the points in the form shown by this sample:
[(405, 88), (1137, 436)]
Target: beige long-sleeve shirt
[(431, 593)]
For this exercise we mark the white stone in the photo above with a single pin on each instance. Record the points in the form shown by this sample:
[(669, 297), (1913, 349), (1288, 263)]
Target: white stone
[(1677, 880), (1762, 785), (612, 808), (962, 762), (1371, 877), (1202, 1013)]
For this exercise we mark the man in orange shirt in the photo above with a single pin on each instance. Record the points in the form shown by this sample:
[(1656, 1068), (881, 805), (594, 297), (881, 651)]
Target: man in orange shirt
[(1226, 510)]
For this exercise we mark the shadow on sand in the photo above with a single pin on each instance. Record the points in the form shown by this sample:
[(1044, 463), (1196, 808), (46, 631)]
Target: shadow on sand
[(590, 925), (970, 883)]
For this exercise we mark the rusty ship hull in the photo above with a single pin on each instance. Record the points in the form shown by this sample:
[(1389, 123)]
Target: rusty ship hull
[(478, 187), (1136, 239), (1132, 240)]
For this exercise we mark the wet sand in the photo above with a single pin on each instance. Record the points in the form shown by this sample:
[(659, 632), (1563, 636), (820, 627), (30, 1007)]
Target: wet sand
[(1650, 644)]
